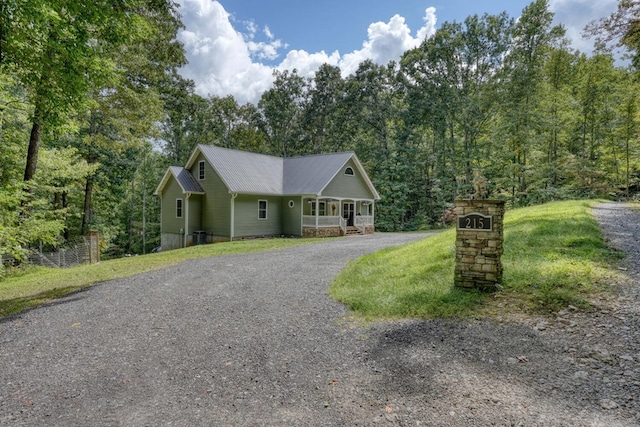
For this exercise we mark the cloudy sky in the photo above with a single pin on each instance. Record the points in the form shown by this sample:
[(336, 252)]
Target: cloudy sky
[(233, 46)]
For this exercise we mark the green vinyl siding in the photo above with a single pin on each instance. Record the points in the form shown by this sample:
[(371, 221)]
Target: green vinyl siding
[(194, 209), (216, 203), (247, 222), (169, 222), (292, 216), (348, 186)]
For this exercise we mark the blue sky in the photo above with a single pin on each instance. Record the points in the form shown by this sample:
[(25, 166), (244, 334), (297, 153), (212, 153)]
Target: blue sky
[(233, 46)]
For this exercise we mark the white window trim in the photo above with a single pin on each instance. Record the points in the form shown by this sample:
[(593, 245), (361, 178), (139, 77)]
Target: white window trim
[(266, 209), (322, 208), (353, 173), (201, 167), (181, 208)]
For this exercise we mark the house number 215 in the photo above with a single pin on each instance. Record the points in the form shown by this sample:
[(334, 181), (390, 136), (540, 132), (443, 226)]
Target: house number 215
[(474, 221)]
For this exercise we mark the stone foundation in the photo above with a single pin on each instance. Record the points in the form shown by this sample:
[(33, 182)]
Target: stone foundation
[(478, 251), (321, 232)]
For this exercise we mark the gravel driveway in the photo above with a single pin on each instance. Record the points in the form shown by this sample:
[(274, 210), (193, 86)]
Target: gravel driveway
[(254, 340)]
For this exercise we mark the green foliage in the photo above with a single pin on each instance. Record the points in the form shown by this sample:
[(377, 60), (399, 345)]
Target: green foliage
[(542, 122)]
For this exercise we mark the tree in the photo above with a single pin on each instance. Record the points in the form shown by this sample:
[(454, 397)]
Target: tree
[(320, 109), (281, 108), (55, 48), (621, 27), (533, 37), (187, 119)]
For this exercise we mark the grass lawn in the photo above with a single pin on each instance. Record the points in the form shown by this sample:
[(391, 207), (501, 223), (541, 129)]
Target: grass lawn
[(554, 256), (39, 284)]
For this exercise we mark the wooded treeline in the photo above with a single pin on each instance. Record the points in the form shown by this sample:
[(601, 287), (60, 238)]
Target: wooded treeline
[(93, 110)]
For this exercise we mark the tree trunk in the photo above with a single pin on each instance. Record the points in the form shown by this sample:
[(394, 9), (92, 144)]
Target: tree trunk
[(34, 147)]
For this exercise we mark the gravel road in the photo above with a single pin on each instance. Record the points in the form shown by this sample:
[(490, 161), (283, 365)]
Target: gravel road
[(254, 340)]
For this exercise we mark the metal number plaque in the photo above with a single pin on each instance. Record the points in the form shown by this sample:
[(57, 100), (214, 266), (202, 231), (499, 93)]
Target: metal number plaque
[(475, 221)]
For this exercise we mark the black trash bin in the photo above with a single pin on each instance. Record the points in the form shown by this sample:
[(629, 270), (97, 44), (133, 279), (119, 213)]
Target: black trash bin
[(199, 237)]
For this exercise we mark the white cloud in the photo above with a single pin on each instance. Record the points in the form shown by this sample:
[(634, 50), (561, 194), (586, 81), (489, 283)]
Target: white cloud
[(576, 14), (224, 61), (220, 59), (388, 41)]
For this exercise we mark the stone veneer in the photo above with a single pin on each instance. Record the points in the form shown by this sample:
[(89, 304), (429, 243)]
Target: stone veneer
[(321, 232), (478, 252)]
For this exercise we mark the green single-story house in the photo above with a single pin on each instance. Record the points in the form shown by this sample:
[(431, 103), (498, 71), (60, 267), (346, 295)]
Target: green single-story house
[(223, 194)]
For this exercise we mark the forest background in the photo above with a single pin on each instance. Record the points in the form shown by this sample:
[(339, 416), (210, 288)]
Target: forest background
[(93, 110)]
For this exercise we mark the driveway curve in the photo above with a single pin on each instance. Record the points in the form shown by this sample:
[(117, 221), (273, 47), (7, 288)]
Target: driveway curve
[(248, 339), (254, 340)]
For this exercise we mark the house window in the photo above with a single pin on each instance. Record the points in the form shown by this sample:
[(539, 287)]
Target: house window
[(178, 208), (201, 170), (262, 209), (349, 171), (322, 207)]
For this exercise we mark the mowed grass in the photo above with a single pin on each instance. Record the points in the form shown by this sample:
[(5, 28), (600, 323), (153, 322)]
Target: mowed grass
[(40, 285), (554, 256)]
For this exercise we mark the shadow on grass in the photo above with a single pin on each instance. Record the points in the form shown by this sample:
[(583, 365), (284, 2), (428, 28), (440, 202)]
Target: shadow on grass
[(14, 306), (454, 303)]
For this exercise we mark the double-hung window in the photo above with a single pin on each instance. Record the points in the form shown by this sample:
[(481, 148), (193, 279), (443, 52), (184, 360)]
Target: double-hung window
[(178, 208), (321, 206), (262, 209)]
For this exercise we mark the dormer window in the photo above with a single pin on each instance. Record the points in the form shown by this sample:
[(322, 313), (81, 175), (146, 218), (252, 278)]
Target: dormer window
[(349, 171)]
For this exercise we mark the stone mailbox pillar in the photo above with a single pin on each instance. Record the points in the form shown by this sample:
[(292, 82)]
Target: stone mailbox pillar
[(479, 244)]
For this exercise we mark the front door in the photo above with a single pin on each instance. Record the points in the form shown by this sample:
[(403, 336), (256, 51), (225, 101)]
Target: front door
[(348, 210)]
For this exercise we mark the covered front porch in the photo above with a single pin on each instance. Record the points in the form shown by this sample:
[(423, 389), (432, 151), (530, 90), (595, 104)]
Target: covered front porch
[(330, 216)]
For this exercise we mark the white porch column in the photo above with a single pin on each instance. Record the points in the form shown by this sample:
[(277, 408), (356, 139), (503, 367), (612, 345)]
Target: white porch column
[(317, 211)]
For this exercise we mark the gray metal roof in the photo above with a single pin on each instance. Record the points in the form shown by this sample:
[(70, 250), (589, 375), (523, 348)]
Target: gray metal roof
[(186, 181), (311, 174), (244, 172), (252, 173)]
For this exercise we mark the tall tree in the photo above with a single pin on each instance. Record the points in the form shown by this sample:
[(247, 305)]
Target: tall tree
[(320, 109), (56, 50), (532, 39), (281, 108), (622, 27)]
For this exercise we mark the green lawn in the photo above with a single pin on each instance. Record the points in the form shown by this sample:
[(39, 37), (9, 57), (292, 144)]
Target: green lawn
[(39, 285), (554, 256)]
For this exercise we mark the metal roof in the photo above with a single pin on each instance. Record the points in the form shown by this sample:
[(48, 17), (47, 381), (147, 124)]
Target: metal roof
[(183, 177), (252, 173), (186, 181), (244, 172), (311, 174)]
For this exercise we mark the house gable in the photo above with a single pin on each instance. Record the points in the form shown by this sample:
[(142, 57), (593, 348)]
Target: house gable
[(352, 185), (216, 203)]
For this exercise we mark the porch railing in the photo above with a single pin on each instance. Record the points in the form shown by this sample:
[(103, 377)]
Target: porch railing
[(323, 221), (363, 220)]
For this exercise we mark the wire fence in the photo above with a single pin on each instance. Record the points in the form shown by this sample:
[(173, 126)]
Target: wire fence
[(81, 250), (72, 254)]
